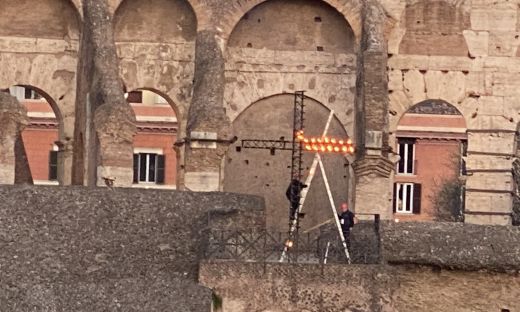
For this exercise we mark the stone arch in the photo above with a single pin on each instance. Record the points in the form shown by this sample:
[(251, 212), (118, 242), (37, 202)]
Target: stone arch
[(258, 172), (161, 21), (434, 28), (157, 131), (179, 105), (402, 105), (160, 59), (60, 17), (350, 10), (40, 149), (329, 31), (179, 110), (431, 140), (434, 107)]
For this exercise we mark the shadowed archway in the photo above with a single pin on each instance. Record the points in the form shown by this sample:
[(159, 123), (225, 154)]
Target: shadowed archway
[(257, 172)]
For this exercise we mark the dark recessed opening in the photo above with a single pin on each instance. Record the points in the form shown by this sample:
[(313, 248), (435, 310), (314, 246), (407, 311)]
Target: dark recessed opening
[(259, 20), (505, 310), (246, 162), (319, 48), (317, 19), (249, 45)]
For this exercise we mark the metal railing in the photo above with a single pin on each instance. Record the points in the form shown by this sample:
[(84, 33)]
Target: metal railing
[(319, 246)]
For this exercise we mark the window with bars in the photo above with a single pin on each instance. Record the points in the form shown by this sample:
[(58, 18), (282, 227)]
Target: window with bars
[(406, 164), (407, 198), (148, 168)]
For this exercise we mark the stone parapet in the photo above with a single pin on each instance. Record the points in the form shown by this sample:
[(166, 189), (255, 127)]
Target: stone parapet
[(95, 249), (363, 288), (457, 246)]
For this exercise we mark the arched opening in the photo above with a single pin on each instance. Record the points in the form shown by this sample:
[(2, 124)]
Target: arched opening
[(256, 171), (163, 21), (156, 47), (434, 28), (155, 160), (303, 25), (40, 136), (51, 19), (431, 142), (282, 46)]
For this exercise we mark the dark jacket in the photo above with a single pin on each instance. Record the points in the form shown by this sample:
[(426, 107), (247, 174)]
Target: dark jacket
[(294, 190), (346, 219)]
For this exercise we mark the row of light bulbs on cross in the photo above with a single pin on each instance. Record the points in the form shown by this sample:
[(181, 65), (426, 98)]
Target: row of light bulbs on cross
[(325, 144)]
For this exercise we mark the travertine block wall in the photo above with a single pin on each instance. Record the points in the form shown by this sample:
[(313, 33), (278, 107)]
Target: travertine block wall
[(481, 83), (39, 49), (369, 61)]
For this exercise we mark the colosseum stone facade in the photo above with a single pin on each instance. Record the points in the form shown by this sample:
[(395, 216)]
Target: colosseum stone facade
[(228, 68)]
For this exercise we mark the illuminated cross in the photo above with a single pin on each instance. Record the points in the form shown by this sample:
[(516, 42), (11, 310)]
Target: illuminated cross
[(297, 145)]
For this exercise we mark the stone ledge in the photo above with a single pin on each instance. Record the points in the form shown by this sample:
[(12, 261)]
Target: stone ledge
[(459, 246)]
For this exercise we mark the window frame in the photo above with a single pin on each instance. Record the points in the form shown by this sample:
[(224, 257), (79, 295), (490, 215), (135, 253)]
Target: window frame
[(158, 169), (411, 201), (404, 159), (53, 165)]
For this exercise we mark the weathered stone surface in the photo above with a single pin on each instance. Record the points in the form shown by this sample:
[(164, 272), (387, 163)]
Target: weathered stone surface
[(373, 181), (452, 245), (13, 118), (206, 112), (363, 288), (102, 110), (469, 58), (437, 33), (96, 249)]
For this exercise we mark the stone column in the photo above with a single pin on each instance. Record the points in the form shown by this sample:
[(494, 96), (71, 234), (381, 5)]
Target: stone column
[(13, 119), (105, 122), (208, 126), (373, 168), (65, 157)]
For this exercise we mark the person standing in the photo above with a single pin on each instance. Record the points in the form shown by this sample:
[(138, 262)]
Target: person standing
[(347, 219)]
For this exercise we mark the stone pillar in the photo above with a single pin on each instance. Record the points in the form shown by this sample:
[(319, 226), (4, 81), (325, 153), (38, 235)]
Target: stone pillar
[(373, 168), (13, 119), (489, 183), (65, 161), (105, 122), (208, 126)]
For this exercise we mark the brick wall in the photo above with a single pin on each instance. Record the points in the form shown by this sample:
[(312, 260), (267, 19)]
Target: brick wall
[(435, 162)]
